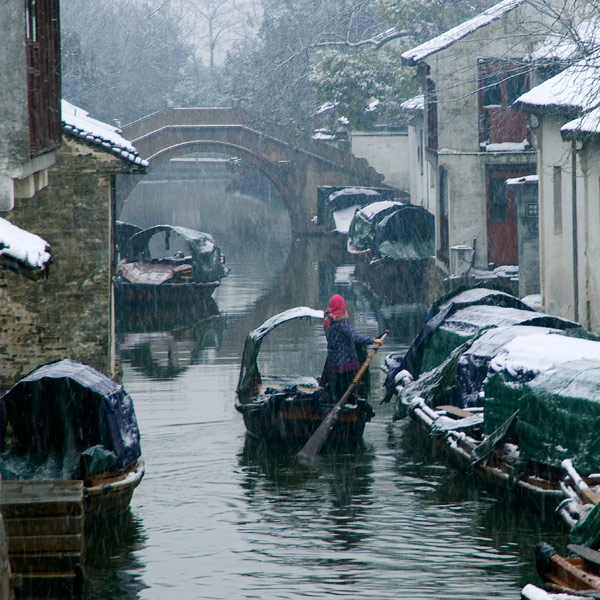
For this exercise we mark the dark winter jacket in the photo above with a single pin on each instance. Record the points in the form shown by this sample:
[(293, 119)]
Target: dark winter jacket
[(341, 349)]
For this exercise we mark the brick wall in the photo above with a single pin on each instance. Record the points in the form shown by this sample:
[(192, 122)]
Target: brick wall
[(69, 314)]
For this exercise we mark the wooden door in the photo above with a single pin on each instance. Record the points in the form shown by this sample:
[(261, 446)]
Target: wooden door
[(503, 248)]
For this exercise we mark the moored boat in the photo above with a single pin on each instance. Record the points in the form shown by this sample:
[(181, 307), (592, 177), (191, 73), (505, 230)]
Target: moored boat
[(168, 264), (67, 421), (500, 390), (289, 409), (577, 574)]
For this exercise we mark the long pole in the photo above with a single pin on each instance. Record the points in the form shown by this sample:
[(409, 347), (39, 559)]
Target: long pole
[(319, 437)]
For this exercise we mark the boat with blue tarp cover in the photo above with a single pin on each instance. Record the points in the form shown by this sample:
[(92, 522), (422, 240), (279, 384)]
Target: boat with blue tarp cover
[(287, 409), (67, 421), (505, 392)]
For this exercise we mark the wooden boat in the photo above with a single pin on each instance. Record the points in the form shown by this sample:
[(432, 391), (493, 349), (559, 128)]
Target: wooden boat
[(397, 246), (490, 384), (168, 264), (569, 575), (287, 409), (532, 592), (67, 421)]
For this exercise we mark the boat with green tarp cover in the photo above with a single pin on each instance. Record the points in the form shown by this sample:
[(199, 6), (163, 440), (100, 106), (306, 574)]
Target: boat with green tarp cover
[(505, 392), (67, 421), (289, 409)]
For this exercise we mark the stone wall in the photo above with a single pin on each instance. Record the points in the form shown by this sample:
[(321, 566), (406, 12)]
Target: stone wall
[(69, 314)]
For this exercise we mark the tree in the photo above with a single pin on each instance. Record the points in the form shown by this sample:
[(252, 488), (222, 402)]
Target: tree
[(218, 24), (270, 75), (120, 60), (358, 72)]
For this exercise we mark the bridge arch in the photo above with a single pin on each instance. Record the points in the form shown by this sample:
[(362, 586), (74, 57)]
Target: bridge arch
[(295, 163), (270, 170)]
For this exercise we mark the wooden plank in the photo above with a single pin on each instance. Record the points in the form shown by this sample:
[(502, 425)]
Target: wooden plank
[(454, 410), (30, 498), (44, 562), (58, 525), (45, 543), (588, 554)]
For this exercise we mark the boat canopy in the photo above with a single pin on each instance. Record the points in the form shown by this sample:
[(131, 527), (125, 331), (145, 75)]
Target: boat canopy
[(460, 318), (405, 234), (61, 414), (166, 242), (362, 228), (249, 373), (332, 200), (559, 407)]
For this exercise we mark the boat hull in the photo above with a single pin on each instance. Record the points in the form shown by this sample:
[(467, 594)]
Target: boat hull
[(294, 424), (541, 493), (110, 493), (144, 295), (565, 575)]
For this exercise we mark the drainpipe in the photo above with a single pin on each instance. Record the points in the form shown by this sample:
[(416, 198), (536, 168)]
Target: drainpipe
[(574, 229)]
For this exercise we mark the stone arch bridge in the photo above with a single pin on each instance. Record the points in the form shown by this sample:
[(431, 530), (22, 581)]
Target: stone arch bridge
[(295, 163)]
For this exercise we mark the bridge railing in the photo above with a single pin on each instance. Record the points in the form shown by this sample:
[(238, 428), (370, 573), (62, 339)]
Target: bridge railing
[(236, 116)]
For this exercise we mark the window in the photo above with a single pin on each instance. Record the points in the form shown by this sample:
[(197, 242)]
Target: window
[(31, 20), (557, 185), (492, 89), (498, 200), (432, 126), (515, 86)]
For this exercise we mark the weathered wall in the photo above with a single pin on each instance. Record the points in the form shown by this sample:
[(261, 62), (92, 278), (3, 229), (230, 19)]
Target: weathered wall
[(69, 314), (387, 153), (454, 70)]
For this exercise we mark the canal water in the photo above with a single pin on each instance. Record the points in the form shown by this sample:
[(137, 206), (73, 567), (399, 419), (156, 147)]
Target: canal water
[(218, 517)]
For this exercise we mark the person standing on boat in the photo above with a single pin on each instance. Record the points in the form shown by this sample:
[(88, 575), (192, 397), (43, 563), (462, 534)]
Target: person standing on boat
[(342, 357)]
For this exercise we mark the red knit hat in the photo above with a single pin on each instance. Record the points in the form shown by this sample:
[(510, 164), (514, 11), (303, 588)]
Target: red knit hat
[(337, 306)]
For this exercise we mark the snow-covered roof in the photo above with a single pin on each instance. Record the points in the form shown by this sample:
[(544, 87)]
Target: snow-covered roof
[(577, 87), (78, 123), (414, 104), (589, 124), (26, 249), (567, 46), (460, 31)]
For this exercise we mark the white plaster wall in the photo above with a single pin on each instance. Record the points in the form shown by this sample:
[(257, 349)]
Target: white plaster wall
[(388, 153), (556, 249), (588, 192)]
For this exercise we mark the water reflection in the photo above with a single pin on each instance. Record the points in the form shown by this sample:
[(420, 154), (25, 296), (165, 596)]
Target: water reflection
[(113, 570), (167, 354)]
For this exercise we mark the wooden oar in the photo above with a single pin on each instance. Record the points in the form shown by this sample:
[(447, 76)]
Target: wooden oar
[(319, 437)]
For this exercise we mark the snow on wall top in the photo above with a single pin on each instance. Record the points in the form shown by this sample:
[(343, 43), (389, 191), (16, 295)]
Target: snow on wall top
[(577, 87), (414, 104), (460, 31), (24, 247), (78, 123)]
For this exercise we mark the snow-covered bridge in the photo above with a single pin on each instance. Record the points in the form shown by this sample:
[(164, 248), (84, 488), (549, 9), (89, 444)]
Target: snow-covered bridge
[(295, 163)]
